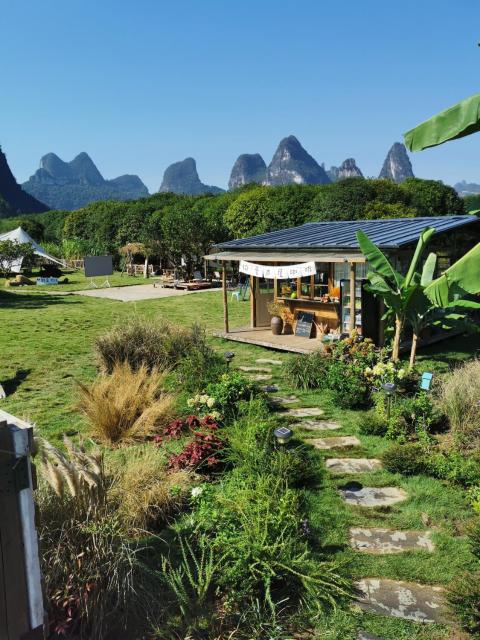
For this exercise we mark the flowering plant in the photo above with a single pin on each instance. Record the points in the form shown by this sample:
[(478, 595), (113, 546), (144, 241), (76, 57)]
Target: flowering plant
[(175, 429), (202, 451), (384, 372), (203, 404)]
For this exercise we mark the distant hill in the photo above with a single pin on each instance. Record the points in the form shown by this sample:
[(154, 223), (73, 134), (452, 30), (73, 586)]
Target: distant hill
[(397, 165), (348, 169), (292, 164), (71, 185), (13, 200), (467, 188), (248, 168), (182, 178)]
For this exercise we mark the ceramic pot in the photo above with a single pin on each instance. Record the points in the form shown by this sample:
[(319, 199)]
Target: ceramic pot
[(277, 325)]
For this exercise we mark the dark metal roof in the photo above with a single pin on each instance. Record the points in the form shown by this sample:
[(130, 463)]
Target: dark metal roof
[(388, 234)]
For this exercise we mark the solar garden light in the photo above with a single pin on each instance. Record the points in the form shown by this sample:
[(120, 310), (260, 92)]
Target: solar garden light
[(229, 356), (389, 388), (283, 435)]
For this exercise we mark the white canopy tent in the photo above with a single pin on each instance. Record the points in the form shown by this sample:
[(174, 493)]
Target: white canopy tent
[(21, 236)]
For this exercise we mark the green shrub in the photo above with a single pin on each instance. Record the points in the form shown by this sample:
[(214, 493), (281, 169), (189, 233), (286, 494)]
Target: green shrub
[(156, 344), (348, 385), (229, 391), (408, 459), (459, 398), (307, 371), (372, 424), (414, 417), (464, 601), (455, 466)]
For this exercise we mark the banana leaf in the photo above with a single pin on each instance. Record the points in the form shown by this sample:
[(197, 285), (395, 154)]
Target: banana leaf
[(458, 121), (429, 269), (457, 281), (377, 260)]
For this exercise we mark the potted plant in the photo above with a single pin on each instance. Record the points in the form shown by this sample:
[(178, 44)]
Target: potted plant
[(275, 309)]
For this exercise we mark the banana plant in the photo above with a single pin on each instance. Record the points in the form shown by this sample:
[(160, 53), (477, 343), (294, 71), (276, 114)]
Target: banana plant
[(385, 281), (418, 299)]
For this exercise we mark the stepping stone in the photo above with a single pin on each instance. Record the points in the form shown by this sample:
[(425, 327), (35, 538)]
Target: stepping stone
[(284, 399), (317, 425), (363, 635), (270, 388), (352, 465), (334, 443), (268, 361), (306, 412), (408, 600), (373, 496), (261, 377), (386, 541), (257, 369)]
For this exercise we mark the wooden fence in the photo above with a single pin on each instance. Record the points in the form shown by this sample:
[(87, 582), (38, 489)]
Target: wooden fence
[(21, 602)]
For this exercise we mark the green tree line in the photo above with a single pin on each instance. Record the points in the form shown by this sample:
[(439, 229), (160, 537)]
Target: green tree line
[(189, 225)]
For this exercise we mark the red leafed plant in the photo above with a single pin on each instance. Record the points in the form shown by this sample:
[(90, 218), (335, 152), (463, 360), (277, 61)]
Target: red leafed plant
[(176, 428), (204, 450)]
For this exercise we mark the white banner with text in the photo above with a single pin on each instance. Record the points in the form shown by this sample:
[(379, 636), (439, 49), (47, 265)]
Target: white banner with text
[(280, 273)]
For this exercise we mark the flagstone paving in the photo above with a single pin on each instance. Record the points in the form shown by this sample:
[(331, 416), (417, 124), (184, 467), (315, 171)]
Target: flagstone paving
[(261, 377), (363, 635), (305, 412), (268, 361), (284, 399), (334, 443), (255, 369), (372, 496), (270, 388), (352, 465), (317, 425), (408, 600), (387, 541)]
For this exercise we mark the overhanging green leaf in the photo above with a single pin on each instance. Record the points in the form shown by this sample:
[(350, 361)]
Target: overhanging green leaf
[(458, 121), (429, 270), (460, 279), (377, 260)]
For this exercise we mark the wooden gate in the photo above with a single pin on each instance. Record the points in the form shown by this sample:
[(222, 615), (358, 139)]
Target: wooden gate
[(21, 602)]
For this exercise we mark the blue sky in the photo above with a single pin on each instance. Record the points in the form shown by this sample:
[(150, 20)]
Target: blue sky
[(139, 85)]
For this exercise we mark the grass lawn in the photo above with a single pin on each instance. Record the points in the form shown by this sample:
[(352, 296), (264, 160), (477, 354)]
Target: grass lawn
[(77, 282), (46, 343)]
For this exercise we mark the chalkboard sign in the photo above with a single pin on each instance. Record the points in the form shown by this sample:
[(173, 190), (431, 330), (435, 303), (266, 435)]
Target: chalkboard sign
[(305, 322)]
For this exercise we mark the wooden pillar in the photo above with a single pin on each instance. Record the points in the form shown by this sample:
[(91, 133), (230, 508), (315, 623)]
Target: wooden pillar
[(352, 296), (225, 298), (253, 302)]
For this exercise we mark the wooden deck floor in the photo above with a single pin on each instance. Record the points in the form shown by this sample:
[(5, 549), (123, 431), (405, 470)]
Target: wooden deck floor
[(263, 337)]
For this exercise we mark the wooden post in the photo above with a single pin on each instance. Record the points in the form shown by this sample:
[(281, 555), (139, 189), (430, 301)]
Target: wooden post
[(21, 602), (352, 297), (253, 303), (225, 298)]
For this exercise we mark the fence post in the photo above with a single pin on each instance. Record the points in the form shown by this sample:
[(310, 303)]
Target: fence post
[(21, 602)]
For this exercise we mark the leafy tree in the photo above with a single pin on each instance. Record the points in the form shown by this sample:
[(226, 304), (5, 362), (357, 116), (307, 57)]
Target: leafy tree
[(33, 227), (185, 235), (472, 203), (343, 200), (432, 198), (11, 252), (376, 210)]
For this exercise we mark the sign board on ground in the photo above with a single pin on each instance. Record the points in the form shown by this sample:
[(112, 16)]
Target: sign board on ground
[(304, 325), (98, 266)]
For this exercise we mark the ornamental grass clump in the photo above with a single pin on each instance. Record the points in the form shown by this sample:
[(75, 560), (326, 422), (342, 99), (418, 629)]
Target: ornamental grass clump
[(459, 398), (126, 406), (146, 493)]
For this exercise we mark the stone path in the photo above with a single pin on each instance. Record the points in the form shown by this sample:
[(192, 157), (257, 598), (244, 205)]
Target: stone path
[(386, 541), (255, 369), (411, 601), (268, 361), (408, 600), (317, 425), (372, 496), (284, 399), (352, 465), (362, 635), (270, 388), (261, 377), (334, 443), (305, 412)]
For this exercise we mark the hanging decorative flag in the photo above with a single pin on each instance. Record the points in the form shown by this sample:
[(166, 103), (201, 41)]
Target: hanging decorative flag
[(280, 273)]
